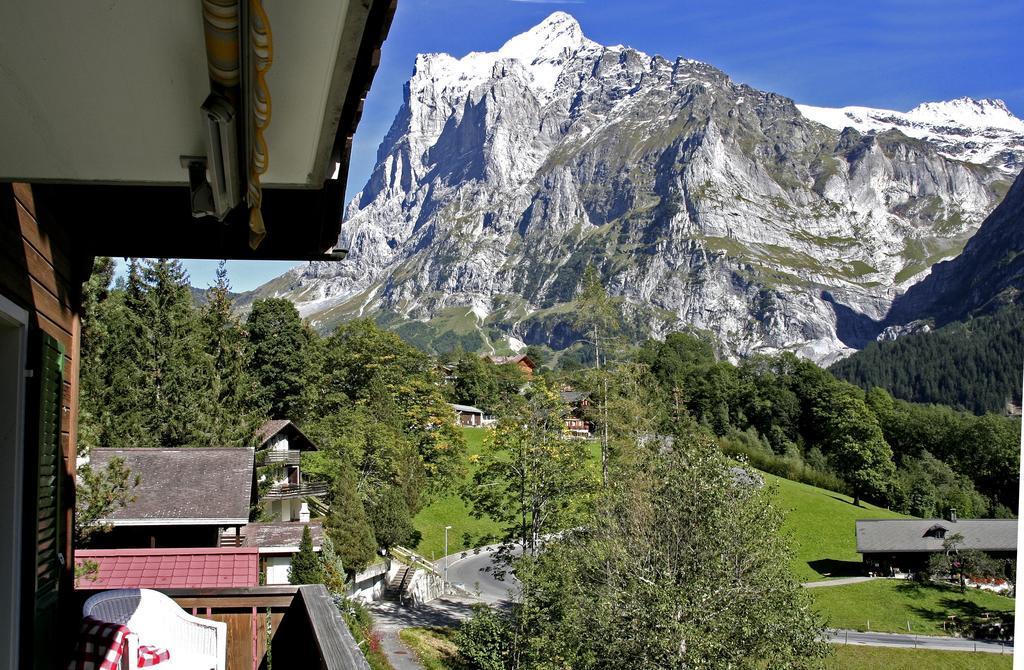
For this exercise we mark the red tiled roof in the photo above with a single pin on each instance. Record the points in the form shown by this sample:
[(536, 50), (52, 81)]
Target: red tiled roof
[(170, 568)]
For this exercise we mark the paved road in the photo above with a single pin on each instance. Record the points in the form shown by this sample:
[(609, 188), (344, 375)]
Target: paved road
[(918, 642), (471, 571)]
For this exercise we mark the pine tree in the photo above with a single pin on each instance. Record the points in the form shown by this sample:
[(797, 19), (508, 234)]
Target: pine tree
[(279, 358), (306, 567), (236, 409), (348, 527), (391, 521), (333, 567), (180, 389)]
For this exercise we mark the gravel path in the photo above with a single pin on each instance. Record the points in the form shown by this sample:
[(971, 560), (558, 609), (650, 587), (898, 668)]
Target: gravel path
[(838, 582)]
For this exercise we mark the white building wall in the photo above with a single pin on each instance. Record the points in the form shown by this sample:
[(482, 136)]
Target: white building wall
[(277, 569)]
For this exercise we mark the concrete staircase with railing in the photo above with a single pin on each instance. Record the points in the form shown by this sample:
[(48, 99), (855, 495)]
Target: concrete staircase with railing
[(396, 588)]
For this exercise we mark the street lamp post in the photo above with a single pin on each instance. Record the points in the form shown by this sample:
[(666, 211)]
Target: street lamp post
[(446, 529)]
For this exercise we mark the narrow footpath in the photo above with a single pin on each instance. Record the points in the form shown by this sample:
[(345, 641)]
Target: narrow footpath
[(841, 581), (389, 618)]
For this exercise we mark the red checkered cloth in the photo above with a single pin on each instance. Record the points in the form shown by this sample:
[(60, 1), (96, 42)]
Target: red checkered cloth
[(150, 655), (100, 645)]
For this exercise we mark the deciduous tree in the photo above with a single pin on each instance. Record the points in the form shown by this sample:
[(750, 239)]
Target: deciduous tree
[(533, 477)]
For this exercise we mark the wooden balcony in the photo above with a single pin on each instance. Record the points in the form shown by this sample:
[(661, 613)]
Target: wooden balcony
[(302, 490), (279, 626), (284, 456)]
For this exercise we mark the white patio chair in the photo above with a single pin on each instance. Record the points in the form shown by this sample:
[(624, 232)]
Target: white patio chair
[(155, 619)]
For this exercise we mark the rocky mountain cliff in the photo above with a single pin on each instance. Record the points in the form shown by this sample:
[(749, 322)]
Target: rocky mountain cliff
[(703, 202), (986, 276)]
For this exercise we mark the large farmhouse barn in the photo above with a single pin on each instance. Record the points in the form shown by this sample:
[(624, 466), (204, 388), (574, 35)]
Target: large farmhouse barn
[(905, 545)]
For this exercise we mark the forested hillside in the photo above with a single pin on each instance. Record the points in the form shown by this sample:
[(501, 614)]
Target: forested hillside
[(792, 418), (973, 365), (160, 371)]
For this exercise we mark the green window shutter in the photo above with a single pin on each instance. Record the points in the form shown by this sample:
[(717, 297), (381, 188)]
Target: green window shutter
[(48, 531)]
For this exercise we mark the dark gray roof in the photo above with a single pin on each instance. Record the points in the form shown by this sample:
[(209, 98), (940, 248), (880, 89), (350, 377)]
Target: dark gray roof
[(917, 535), (184, 486), (573, 397), (269, 430), (297, 439), (281, 535)]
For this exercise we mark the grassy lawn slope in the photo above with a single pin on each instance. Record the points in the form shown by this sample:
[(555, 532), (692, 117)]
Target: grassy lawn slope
[(885, 658), (823, 530), (452, 511), (433, 647), (888, 604)]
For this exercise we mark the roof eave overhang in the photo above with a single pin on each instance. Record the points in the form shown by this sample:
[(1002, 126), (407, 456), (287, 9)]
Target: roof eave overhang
[(929, 551), (303, 224), (225, 521)]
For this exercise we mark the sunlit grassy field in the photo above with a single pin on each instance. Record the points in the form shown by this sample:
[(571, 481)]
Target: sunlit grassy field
[(886, 605), (822, 528), (820, 523), (886, 658), (452, 511)]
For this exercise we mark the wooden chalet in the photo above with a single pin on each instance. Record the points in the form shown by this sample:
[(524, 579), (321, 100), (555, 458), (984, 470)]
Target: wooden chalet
[(576, 423), (144, 129), (904, 545), (467, 415), (522, 361), (185, 498), (283, 491)]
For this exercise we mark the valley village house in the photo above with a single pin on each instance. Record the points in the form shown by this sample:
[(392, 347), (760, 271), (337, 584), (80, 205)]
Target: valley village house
[(145, 130), (905, 545), (204, 498)]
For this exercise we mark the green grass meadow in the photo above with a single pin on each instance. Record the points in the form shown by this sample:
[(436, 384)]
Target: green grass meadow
[(820, 523), (822, 527), (452, 511), (850, 657), (886, 605)]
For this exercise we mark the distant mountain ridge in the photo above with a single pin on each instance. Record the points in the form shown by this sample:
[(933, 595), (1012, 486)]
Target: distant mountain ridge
[(974, 131), (702, 202)]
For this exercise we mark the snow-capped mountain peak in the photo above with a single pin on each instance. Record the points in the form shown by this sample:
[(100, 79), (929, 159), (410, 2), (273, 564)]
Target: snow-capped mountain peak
[(976, 131), (703, 202), (542, 50), (985, 113), (552, 37)]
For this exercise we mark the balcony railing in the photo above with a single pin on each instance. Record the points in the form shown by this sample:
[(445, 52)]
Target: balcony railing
[(288, 456), (231, 539), (303, 490), (300, 625)]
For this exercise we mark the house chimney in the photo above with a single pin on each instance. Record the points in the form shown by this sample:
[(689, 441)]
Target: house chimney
[(952, 514), (304, 513)]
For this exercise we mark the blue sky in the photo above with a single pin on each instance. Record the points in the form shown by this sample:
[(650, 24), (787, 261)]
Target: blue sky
[(879, 53)]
